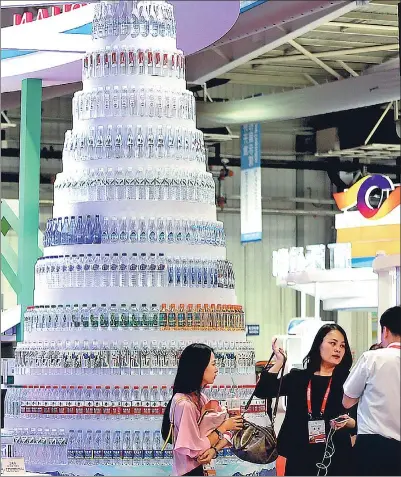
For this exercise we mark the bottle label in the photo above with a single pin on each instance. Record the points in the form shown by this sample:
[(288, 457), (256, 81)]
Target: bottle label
[(117, 454), (98, 408), (79, 408), (98, 454), (158, 454), (70, 454), (88, 409), (47, 408), (79, 453), (137, 408), (181, 320), (156, 408), (146, 408), (137, 453), (147, 454), (168, 454), (116, 410), (108, 454), (162, 319), (88, 454), (107, 408), (128, 454), (126, 408)]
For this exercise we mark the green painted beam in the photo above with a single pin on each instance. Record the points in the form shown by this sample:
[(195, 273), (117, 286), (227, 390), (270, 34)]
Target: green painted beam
[(8, 214), (5, 226), (10, 275), (29, 182), (8, 252)]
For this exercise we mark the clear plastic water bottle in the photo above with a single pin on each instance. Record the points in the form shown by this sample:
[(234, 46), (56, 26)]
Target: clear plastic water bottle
[(105, 236), (123, 270), (79, 447), (97, 270), (88, 447), (133, 270), (117, 448), (152, 271), (161, 274), (127, 449), (114, 230), (143, 270), (133, 230), (142, 230), (123, 230), (152, 232), (157, 448), (114, 270), (97, 448), (71, 447), (107, 448), (137, 448), (105, 271), (117, 407), (147, 447), (88, 270)]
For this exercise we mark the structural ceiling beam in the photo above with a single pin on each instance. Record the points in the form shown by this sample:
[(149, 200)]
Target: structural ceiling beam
[(350, 93), (326, 54), (257, 32)]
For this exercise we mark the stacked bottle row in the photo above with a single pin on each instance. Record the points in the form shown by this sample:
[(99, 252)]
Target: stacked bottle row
[(133, 101), (87, 447), (96, 229), (121, 270), (122, 317), (98, 185), (133, 142), (116, 61), (123, 18), (111, 402), (114, 358)]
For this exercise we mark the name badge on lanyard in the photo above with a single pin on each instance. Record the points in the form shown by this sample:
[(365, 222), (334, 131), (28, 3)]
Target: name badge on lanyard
[(317, 427)]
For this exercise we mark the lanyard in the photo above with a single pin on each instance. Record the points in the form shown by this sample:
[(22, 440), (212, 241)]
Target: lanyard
[(309, 396), (394, 345)]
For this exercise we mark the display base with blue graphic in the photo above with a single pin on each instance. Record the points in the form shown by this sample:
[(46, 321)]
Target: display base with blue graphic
[(235, 468)]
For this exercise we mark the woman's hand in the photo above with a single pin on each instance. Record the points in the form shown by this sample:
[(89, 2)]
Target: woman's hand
[(234, 423), (349, 423), (207, 456), (278, 352)]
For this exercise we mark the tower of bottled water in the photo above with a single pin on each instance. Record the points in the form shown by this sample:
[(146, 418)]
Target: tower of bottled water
[(134, 267)]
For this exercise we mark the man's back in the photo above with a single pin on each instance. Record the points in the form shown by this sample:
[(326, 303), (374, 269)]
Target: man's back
[(379, 404)]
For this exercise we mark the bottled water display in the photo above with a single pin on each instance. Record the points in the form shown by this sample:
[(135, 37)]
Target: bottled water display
[(121, 358), (130, 403), (134, 267), (66, 318), (143, 270), (148, 184), (95, 229), (140, 102)]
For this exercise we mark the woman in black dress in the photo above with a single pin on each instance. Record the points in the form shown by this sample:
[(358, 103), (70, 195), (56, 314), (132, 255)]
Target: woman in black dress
[(314, 399)]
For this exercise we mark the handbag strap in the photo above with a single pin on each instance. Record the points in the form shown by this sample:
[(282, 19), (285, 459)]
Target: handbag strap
[(273, 417)]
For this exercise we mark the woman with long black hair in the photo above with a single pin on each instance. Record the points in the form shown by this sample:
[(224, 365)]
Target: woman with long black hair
[(314, 400), (197, 436)]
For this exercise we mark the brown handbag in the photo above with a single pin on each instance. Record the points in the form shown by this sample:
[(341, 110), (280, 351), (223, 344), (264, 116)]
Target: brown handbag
[(254, 443)]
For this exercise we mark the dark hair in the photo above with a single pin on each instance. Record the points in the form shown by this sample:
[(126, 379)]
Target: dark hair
[(391, 319), (313, 359), (192, 364), (375, 346)]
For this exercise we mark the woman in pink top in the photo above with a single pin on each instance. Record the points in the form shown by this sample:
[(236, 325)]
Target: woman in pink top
[(200, 427)]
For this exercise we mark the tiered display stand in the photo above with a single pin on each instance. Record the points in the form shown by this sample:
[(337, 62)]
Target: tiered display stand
[(129, 208)]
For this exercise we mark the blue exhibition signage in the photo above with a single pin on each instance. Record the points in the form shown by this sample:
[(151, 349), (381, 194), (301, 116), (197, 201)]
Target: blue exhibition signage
[(252, 330), (251, 183)]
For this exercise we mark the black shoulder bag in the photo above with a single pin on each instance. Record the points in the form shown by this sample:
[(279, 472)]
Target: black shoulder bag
[(254, 443)]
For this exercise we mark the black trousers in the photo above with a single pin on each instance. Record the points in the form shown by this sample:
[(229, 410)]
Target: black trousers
[(376, 455), (197, 471)]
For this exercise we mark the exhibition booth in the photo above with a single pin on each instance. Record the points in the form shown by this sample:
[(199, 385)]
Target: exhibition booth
[(134, 265)]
